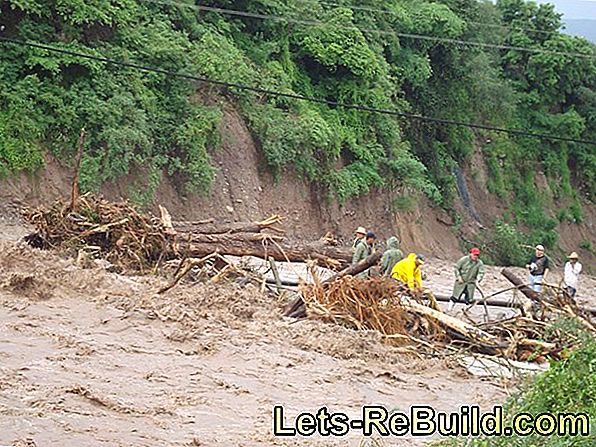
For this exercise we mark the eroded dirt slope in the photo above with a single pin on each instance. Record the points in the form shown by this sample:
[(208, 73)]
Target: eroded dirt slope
[(244, 190)]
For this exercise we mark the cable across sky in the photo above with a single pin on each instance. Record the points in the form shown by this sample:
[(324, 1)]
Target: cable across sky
[(364, 108), (445, 40), (390, 12)]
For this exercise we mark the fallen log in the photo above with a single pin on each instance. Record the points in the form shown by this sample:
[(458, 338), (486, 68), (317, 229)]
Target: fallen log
[(466, 330), (209, 227), (496, 302), (527, 291), (227, 237), (264, 247)]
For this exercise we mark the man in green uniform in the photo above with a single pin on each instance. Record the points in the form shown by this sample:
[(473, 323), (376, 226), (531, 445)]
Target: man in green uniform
[(360, 236), (469, 271), (364, 249), (391, 256)]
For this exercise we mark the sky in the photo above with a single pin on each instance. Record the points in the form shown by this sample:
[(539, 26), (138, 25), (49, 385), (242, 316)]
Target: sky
[(574, 9)]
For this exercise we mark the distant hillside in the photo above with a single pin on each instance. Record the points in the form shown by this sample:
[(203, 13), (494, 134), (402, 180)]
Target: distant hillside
[(581, 27), (351, 61)]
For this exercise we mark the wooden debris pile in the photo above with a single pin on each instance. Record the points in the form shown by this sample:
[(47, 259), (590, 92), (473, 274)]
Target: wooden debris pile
[(134, 241), (384, 305), (124, 237), (369, 305)]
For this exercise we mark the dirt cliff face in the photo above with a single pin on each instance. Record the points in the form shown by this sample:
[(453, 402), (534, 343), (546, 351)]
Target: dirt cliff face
[(244, 190)]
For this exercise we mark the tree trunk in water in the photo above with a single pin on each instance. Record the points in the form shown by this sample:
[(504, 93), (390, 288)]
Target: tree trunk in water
[(514, 279), (262, 246), (464, 329)]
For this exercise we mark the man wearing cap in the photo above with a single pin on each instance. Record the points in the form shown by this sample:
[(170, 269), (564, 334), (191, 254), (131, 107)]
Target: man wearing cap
[(360, 235), (538, 268), (469, 271), (364, 249), (409, 271), (572, 270)]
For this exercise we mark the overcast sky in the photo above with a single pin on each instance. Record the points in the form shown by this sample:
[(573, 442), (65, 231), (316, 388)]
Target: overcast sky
[(574, 9)]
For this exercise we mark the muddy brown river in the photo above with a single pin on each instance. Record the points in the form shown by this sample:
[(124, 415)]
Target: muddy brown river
[(91, 358)]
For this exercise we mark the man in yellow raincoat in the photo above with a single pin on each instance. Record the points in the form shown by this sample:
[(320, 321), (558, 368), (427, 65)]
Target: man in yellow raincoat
[(408, 271)]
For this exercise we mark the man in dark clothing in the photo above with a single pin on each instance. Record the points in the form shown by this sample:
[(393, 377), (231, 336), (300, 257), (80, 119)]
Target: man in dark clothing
[(364, 249), (538, 268)]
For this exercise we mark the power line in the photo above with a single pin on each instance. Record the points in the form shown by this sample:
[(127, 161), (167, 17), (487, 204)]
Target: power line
[(396, 113), (390, 12), (259, 16)]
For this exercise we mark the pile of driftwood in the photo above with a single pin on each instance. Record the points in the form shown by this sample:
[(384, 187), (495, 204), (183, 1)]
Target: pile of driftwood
[(124, 237), (136, 242), (406, 317), (369, 305), (133, 241)]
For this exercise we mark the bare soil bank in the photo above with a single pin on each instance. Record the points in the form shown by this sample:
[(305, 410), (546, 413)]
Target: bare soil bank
[(244, 190)]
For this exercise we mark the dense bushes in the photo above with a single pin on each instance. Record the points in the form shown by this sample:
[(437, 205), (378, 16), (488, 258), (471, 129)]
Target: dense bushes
[(569, 386), (156, 123)]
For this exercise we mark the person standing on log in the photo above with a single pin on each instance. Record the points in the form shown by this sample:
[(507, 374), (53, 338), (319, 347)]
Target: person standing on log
[(360, 236), (572, 270), (409, 271), (364, 249), (391, 256), (538, 267), (469, 271)]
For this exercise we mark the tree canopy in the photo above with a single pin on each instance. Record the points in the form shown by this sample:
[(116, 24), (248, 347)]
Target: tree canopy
[(506, 64)]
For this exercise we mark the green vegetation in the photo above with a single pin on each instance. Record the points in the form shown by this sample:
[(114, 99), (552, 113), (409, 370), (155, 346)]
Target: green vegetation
[(569, 386), (153, 124)]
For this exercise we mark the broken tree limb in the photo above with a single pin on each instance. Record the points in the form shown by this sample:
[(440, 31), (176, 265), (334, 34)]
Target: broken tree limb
[(275, 274), (546, 346), (297, 308), (357, 268), (74, 191), (104, 228), (181, 272), (527, 291), (166, 220), (466, 330), (516, 281)]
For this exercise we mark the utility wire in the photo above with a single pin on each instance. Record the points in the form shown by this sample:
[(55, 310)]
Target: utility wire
[(259, 16), (410, 116), (390, 12)]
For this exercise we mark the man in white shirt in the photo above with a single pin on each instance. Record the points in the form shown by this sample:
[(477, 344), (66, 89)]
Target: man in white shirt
[(572, 270)]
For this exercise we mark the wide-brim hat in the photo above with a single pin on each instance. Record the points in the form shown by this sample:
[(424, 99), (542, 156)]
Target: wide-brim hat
[(540, 247), (360, 230), (573, 256)]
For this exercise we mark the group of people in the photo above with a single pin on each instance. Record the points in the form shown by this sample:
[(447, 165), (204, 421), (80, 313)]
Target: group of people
[(539, 265), (408, 269), (469, 270)]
